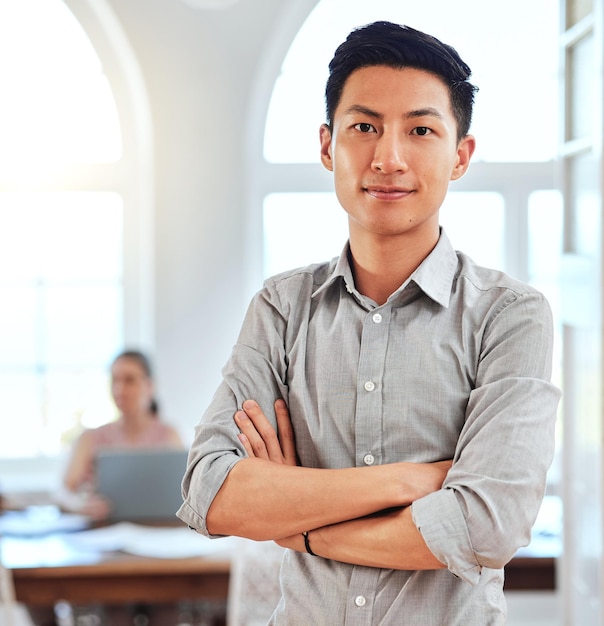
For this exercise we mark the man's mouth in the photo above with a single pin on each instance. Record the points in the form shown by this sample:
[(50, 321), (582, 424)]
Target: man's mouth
[(387, 192)]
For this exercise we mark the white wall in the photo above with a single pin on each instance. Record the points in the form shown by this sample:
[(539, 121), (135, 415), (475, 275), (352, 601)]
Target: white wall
[(201, 71)]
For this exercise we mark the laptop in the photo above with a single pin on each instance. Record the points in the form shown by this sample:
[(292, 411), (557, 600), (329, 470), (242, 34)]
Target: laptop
[(142, 485)]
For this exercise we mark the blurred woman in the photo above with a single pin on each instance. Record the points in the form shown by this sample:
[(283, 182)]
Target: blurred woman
[(138, 426)]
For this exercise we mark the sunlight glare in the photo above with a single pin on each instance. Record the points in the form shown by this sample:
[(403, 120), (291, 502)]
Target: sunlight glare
[(57, 108)]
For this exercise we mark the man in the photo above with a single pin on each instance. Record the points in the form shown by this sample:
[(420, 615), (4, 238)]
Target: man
[(410, 387)]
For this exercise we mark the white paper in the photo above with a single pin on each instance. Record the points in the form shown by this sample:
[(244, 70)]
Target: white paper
[(151, 541)]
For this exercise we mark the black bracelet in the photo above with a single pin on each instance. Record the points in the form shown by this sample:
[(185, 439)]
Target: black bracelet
[(307, 543)]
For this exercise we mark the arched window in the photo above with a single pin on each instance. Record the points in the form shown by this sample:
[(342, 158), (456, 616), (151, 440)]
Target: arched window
[(73, 262)]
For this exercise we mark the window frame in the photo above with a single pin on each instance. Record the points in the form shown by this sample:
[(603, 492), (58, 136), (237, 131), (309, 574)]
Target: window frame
[(131, 176)]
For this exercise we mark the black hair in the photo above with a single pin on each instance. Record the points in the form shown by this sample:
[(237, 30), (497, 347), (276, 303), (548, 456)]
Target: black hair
[(398, 46), (145, 364)]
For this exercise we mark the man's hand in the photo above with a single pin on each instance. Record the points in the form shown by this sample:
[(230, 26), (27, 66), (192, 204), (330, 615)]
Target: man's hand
[(260, 440), (259, 437), (288, 499)]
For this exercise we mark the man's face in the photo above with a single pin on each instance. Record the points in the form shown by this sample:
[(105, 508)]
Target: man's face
[(393, 151)]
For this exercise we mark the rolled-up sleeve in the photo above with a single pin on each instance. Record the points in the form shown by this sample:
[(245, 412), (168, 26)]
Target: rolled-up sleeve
[(492, 494), (256, 369)]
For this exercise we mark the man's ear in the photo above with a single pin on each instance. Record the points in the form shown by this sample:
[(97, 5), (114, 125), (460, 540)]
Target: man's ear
[(325, 137), (465, 150)]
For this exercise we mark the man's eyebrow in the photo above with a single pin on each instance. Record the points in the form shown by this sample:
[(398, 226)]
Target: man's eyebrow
[(425, 112), (359, 108)]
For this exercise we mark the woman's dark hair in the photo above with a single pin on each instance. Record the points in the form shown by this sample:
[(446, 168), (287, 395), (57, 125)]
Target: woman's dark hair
[(145, 365), (397, 46)]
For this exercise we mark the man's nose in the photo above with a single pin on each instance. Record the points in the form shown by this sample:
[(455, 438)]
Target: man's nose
[(390, 154)]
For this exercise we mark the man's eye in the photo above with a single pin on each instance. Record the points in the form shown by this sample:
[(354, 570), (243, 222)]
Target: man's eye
[(364, 127), (421, 131)]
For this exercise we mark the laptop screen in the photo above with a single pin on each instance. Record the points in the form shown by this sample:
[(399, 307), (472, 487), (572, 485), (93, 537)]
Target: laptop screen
[(142, 484)]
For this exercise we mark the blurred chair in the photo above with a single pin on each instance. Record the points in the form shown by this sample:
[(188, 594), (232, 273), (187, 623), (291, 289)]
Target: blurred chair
[(11, 612), (254, 589)]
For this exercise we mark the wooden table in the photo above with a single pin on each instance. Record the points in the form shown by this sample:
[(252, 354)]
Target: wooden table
[(124, 580), (49, 568)]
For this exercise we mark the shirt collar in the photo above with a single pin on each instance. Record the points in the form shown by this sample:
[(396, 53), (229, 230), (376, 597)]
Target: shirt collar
[(342, 270), (436, 273), (434, 276)]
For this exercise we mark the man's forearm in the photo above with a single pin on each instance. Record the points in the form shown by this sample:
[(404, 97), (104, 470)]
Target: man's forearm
[(263, 500), (388, 540)]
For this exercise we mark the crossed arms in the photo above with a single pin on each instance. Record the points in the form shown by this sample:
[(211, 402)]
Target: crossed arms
[(357, 515), (472, 514)]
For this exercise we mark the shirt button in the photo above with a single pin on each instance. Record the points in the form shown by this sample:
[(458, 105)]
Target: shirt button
[(369, 386), (377, 318), (360, 601), (369, 459)]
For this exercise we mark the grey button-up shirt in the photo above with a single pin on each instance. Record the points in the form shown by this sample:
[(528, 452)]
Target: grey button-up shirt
[(456, 364)]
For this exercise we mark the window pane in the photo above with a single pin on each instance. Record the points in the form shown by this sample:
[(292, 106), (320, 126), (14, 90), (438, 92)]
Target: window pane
[(478, 30), (545, 255), (60, 236), (61, 252), (61, 281), (474, 222), (60, 276), (76, 397), (83, 324), (45, 410), (18, 317), (583, 205), (21, 427), (302, 228), (545, 236), (56, 106)]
